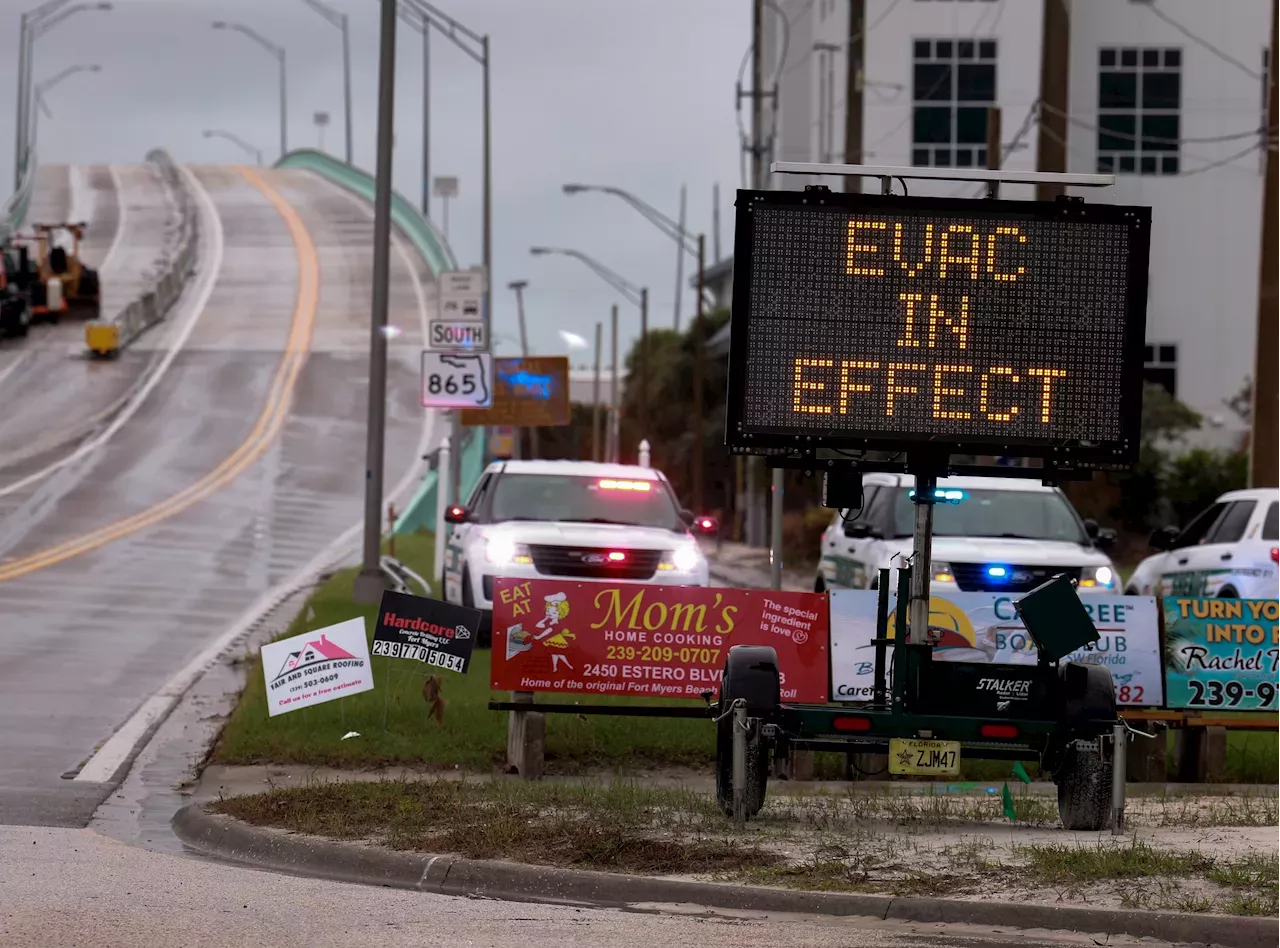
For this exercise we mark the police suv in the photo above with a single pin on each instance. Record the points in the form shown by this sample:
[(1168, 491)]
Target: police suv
[(1229, 550), (568, 520), (990, 534)]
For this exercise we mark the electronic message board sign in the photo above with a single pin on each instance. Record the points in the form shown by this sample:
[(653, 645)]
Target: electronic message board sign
[(972, 326)]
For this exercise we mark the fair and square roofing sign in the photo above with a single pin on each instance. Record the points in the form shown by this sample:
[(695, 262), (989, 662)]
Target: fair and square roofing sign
[(316, 667)]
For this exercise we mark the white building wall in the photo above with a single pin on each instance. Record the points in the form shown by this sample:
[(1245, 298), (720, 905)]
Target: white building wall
[(1206, 225)]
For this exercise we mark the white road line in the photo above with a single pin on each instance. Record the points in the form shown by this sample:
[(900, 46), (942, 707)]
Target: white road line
[(122, 219), (17, 361), (195, 305), (103, 765)]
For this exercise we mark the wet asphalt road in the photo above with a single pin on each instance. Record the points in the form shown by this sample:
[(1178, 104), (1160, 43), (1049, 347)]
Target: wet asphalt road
[(89, 629)]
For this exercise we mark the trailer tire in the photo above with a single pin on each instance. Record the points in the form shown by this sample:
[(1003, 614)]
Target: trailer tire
[(1084, 790)]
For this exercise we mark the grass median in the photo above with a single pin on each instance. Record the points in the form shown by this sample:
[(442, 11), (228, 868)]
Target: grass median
[(929, 843)]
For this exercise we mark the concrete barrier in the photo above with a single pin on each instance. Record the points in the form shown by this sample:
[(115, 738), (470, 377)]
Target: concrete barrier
[(106, 337)]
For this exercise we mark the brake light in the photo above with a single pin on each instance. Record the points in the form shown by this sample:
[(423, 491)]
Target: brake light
[(610, 484), (852, 724), (1005, 731), (617, 556), (706, 525), (1275, 554)]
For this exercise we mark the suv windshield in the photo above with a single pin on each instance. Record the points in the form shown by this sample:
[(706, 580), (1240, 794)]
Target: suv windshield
[(1020, 514), (638, 503)]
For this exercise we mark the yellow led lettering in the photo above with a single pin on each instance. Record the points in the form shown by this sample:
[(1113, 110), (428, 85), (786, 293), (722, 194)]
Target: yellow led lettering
[(801, 386), (855, 248), (894, 388), (991, 254), (982, 394), (1048, 375), (847, 386), (939, 392), (910, 299), (972, 260), (912, 268), (957, 324)]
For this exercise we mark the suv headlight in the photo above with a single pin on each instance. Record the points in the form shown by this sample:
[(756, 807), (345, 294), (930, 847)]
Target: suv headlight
[(683, 559), (942, 573), (1097, 577), (503, 551)]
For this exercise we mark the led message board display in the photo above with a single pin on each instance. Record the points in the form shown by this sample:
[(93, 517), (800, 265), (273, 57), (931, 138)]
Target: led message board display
[(976, 326)]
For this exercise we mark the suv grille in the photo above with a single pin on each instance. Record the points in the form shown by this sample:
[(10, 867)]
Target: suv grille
[(593, 563), (972, 577)]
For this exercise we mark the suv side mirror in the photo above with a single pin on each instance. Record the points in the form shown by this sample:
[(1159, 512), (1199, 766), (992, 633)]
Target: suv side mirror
[(457, 514), (1163, 539), (686, 517), (860, 529), (1091, 528), (1105, 539)]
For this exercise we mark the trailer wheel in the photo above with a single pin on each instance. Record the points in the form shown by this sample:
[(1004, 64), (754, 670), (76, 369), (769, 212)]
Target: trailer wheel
[(1084, 789)]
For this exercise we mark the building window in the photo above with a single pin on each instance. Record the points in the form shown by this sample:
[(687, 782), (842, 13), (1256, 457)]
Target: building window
[(1160, 366), (1139, 102), (954, 83)]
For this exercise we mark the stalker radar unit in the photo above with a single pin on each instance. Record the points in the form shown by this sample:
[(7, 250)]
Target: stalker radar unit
[(929, 331)]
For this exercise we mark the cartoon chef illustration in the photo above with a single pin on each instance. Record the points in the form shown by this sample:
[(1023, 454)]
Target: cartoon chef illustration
[(556, 608)]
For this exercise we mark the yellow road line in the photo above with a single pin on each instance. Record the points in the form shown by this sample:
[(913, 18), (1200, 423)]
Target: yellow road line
[(264, 433)]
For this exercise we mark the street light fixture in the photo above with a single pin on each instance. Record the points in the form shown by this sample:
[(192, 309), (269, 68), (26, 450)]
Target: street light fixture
[(697, 248), (34, 24), (518, 286), (637, 295), (278, 53), (236, 139), (339, 20), (42, 87)]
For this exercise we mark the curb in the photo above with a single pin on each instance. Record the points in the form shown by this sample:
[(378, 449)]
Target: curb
[(232, 840)]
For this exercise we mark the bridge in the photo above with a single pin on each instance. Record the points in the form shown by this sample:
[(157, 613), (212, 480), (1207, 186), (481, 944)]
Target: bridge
[(155, 504)]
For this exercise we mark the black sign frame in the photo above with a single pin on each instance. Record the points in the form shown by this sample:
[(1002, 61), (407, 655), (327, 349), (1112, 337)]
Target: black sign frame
[(1117, 454)]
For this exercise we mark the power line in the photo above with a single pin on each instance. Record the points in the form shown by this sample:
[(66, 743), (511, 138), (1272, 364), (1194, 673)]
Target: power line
[(1221, 161), (1200, 40), (1206, 139)]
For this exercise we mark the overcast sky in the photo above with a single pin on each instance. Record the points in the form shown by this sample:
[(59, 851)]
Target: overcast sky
[(637, 95)]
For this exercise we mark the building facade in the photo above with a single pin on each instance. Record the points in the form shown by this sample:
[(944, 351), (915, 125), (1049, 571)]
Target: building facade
[(1168, 95)]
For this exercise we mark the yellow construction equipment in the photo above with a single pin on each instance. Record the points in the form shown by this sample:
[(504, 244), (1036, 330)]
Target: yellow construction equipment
[(81, 288)]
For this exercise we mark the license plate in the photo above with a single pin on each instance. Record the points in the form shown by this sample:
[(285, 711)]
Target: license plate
[(924, 758)]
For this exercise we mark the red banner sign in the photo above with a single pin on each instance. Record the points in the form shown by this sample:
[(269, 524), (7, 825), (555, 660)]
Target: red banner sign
[(651, 641)]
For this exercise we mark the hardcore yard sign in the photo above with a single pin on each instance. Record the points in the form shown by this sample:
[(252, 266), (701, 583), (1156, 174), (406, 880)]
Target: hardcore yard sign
[(650, 641), (316, 667), (435, 633)]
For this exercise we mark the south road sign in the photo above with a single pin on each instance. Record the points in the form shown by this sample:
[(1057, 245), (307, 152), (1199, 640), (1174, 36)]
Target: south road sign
[(457, 380), (456, 335)]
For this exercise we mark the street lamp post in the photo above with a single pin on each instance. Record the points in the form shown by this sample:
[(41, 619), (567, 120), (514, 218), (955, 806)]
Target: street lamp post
[(236, 139), (518, 286), (278, 53), (32, 25), (340, 21), (42, 87)]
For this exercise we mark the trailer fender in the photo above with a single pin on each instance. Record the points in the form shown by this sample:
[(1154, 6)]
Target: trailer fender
[(751, 672), (1087, 697)]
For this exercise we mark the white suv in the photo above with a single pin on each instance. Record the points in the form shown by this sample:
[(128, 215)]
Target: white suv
[(992, 534), (569, 520), (1228, 550)]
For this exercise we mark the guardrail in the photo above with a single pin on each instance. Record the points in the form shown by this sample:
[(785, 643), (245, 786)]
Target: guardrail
[(106, 337), (420, 512)]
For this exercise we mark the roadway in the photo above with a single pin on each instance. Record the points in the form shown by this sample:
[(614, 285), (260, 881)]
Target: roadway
[(238, 455)]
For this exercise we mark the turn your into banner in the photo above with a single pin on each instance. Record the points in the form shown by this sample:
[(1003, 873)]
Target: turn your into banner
[(1221, 653), (435, 633), (650, 641)]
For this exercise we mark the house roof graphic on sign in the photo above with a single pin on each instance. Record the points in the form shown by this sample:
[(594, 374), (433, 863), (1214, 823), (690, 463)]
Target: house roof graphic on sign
[(319, 650)]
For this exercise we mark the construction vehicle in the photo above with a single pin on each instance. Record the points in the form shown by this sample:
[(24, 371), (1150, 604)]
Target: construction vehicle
[(15, 296), (63, 283)]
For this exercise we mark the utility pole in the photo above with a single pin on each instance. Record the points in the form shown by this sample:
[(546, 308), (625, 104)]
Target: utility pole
[(1264, 416), (1055, 55), (855, 54), (699, 422), (644, 362), (426, 121), (680, 260), (369, 583), (715, 221), (614, 424), (518, 286), (995, 146), (595, 400), (754, 502)]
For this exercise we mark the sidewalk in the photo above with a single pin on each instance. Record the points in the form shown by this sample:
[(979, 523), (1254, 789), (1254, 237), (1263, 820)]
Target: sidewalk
[(736, 564)]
